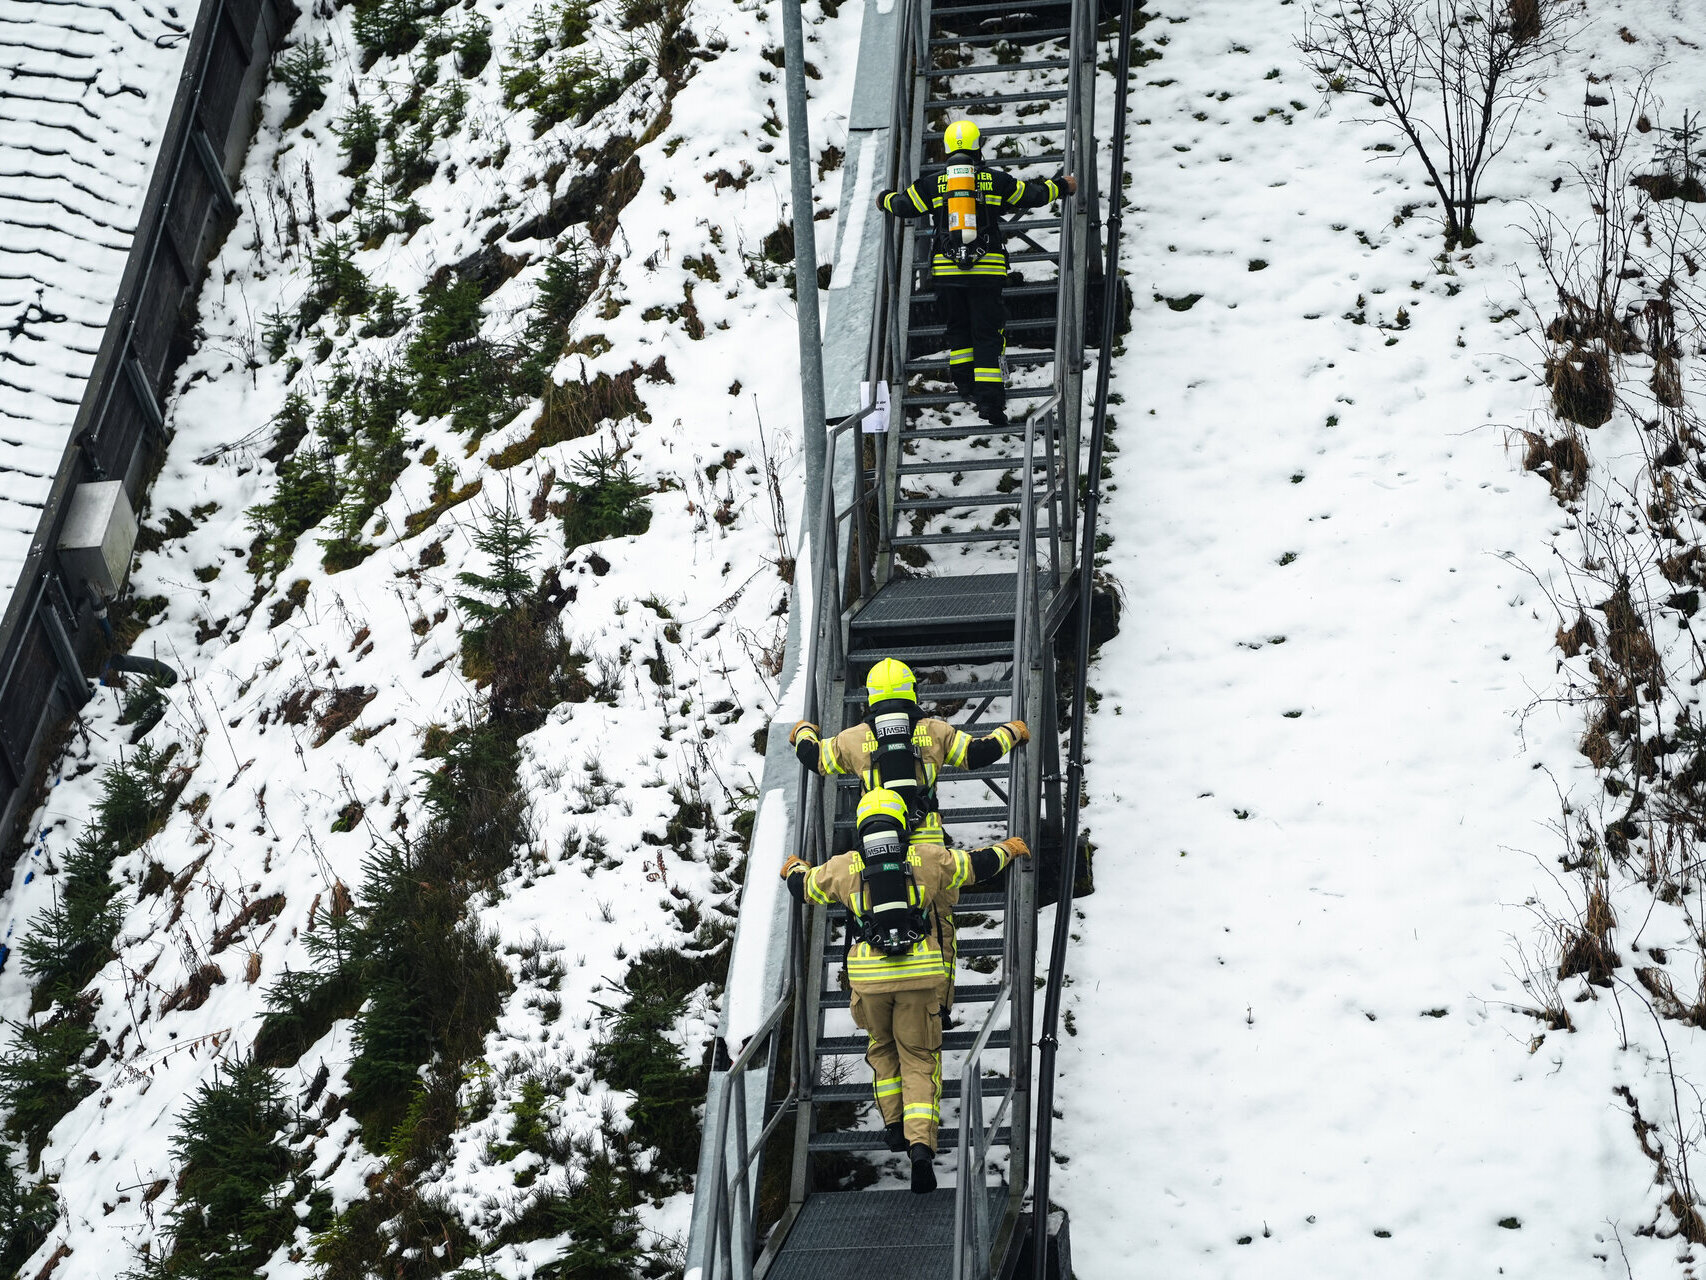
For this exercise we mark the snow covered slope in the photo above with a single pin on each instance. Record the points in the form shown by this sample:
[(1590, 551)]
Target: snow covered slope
[(87, 91), (1327, 754), (625, 215)]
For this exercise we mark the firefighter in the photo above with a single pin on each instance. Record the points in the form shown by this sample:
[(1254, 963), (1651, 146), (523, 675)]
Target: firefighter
[(897, 892), (966, 202), (896, 747)]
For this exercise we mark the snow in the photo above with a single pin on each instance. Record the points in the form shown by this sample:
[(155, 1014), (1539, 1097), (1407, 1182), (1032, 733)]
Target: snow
[(702, 588), (1322, 791), (752, 964), (1328, 754), (854, 235), (89, 87)]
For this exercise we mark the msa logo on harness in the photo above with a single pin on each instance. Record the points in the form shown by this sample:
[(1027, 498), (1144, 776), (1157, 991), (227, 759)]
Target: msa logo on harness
[(962, 239), (892, 923)]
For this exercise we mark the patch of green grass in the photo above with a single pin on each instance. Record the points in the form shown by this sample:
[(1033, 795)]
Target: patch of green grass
[(574, 88)]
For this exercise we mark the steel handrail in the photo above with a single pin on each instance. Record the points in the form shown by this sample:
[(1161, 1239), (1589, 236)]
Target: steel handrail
[(1048, 1042), (732, 1210), (721, 1220), (971, 1233)]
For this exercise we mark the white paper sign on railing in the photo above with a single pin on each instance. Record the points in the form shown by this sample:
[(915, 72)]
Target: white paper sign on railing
[(878, 422)]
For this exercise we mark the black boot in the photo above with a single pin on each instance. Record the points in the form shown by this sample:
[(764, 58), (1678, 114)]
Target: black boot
[(895, 1135), (992, 411), (923, 1169)]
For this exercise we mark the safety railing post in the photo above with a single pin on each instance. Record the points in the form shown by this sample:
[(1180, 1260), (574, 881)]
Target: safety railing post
[(742, 1219)]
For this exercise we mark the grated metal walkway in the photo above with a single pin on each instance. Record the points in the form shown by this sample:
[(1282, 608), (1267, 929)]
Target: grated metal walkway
[(851, 1235)]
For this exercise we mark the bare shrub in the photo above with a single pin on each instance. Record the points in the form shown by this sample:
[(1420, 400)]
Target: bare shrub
[(1451, 75)]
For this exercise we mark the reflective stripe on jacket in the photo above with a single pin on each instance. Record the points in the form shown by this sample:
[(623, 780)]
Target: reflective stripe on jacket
[(999, 191), (938, 875)]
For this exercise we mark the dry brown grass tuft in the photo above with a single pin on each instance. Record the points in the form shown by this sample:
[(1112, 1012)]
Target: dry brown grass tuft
[(341, 712), (1563, 463), (1525, 19), (573, 410), (1577, 637), (1582, 387), (1587, 948), (194, 993)]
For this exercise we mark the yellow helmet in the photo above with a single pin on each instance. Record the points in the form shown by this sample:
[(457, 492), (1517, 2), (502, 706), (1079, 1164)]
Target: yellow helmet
[(890, 678), (962, 135), (880, 802)]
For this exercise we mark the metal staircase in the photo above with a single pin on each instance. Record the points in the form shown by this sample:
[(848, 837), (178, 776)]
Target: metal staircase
[(949, 544)]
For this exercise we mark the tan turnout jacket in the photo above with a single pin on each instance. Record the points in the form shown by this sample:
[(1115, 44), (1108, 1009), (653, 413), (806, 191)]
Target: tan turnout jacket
[(939, 874)]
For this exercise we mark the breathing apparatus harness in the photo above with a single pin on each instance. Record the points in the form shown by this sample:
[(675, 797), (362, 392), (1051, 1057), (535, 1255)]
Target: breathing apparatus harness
[(965, 231), (894, 722), (894, 920)]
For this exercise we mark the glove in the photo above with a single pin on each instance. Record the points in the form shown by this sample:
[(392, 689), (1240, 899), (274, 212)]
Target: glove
[(1020, 733), (1016, 848), (1069, 182), (794, 864), (882, 197), (802, 728)]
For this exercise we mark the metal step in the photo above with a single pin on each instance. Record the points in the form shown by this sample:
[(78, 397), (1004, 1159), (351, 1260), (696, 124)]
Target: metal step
[(1014, 130), (941, 330), (956, 504), (963, 464), (1032, 255), (943, 692), (957, 1040), (995, 68), (976, 431), (942, 10), (933, 654), (994, 99), (849, 1140), (1015, 360), (939, 399), (1039, 33), (994, 773), (911, 610), (979, 993), (1030, 289), (991, 1086), (954, 539)]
